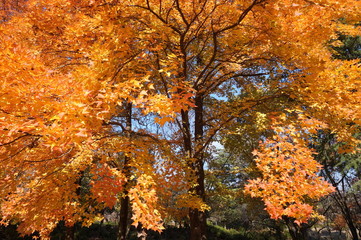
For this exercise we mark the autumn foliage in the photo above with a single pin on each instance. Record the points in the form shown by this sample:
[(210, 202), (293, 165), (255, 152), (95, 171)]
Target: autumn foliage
[(289, 179), (108, 100)]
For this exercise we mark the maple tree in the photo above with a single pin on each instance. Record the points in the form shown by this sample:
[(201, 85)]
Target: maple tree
[(247, 52), (195, 67), (51, 80)]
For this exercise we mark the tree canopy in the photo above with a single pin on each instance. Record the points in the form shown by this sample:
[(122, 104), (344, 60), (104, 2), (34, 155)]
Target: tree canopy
[(131, 96)]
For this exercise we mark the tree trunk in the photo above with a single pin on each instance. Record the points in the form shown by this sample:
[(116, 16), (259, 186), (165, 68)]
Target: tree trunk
[(198, 226), (141, 233), (341, 201), (297, 232), (123, 226), (123, 217), (69, 232), (350, 224)]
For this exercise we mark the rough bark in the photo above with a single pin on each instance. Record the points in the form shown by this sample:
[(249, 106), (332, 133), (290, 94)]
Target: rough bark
[(123, 226), (198, 226)]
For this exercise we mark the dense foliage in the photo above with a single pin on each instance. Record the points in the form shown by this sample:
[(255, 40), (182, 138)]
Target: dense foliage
[(109, 104)]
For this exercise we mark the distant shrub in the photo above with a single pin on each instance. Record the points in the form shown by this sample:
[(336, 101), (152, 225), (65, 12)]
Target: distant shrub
[(109, 232), (219, 233)]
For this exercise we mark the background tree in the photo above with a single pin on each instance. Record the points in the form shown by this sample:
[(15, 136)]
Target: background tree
[(341, 169), (343, 172)]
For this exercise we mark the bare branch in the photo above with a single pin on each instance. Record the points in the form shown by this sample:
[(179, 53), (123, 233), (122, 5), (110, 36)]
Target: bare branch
[(14, 140), (241, 17)]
